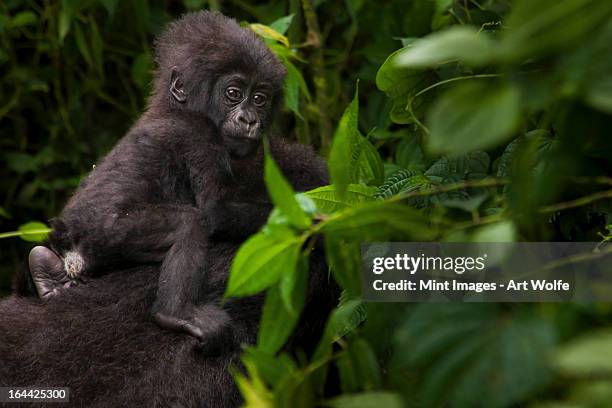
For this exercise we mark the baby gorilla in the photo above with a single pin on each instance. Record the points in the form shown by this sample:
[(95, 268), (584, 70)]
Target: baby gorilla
[(187, 174)]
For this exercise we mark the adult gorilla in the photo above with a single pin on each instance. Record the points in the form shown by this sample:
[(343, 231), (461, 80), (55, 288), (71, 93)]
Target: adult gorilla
[(179, 193), (99, 340)]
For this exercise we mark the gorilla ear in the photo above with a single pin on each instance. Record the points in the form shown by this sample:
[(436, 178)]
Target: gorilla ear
[(176, 87)]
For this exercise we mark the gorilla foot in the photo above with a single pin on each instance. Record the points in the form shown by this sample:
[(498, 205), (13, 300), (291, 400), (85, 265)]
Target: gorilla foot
[(209, 324), (47, 272)]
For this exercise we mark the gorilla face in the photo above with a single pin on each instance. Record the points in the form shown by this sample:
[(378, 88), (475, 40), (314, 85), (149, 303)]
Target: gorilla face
[(244, 112), (240, 106)]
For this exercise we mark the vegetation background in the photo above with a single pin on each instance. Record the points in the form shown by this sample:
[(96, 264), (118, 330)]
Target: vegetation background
[(484, 120)]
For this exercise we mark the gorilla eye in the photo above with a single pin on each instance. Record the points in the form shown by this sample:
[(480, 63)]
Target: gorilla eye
[(259, 99), (233, 94)]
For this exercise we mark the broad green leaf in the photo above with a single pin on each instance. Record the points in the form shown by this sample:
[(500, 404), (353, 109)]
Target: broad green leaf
[(294, 285), (358, 368), (439, 342), (283, 196), (344, 261), (471, 166), (367, 164), (340, 156), (24, 18), (32, 231), (282, 24), (472, 116), (504, 231), (269, 33), (327, 200), (295, 391), (339, 323), (366, 400), (545, 26), (276, 324), (353, 159), (458, 43), (272, 368), (262, 260), (380, 221), (409, 155), (401, 85), (294, 83), (401, 181), (588, 355), (253, 389)]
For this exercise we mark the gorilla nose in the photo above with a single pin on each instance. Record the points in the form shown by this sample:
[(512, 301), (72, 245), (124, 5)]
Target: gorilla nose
[(247, 121)]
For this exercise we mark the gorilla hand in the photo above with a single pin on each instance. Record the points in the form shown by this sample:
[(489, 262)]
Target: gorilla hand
[(210, 324)]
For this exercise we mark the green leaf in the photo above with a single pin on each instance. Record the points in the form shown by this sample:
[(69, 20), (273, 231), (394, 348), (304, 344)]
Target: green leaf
[(269, 33), (24, 18), (366, 400), (401, 181), (588, 355), (282, 24), (358, 368), (543, 27), (408, 154), (283, 196), (294, 83), (353, 159), (438, 341), (253, 388), (451, 169), (340, 322), (273, 369), (344, 262), (327, 200), (276, 324), (261, 261), (458, 43), (401, 85), (504, 231), (33, 231), (473, 116), (380, 221), (340, 157), (293, 286)]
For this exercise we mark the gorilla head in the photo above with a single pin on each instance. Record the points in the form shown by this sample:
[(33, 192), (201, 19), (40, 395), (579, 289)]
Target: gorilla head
[(208, 65)]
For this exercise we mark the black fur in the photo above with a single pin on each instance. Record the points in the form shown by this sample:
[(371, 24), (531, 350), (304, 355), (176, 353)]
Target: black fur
[(179, 192), (99, 340), (189, 171)]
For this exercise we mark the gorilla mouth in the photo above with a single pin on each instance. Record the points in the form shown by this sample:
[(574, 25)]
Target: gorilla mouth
[(240, 143)]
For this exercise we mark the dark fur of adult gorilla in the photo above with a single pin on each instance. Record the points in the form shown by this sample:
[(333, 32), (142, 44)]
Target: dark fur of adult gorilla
[(162, 216)]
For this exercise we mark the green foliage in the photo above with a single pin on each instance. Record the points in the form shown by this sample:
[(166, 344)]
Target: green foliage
[(486, 121)]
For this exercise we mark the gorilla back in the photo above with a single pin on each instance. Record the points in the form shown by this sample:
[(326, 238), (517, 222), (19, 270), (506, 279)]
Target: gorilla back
[(99, 340)]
